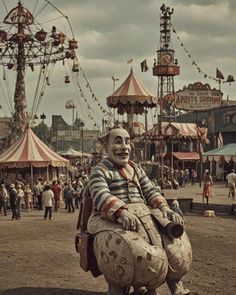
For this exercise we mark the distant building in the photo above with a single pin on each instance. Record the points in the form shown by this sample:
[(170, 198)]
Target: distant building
[(77, 137), (219, 120)]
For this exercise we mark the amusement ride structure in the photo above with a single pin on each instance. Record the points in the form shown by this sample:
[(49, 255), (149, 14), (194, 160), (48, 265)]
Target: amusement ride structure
[(25, 44), (165, 68)]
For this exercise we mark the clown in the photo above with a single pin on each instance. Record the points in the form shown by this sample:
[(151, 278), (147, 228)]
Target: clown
[(130, 246)]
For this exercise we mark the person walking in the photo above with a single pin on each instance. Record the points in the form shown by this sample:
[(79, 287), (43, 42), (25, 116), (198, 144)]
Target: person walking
[(28, 198), (3, 199), (69, 193), (47, 198), (20, 197), (56, 189), (13, 200), (207, 187), (231, 182), (38, 190), (193, 177)]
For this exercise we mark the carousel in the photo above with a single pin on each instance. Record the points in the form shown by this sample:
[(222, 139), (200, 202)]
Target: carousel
[(133, 99)]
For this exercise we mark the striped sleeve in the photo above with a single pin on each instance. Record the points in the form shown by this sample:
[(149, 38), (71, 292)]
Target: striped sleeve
[(150, 192), (103, 200)]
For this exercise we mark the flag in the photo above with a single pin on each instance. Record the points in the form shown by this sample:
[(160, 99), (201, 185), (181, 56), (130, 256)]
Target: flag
[(129, 61), (219, 74), (220, 142), (144, 66), (69, 104)]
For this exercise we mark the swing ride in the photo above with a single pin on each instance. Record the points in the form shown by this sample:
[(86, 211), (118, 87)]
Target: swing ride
[(34, 38)]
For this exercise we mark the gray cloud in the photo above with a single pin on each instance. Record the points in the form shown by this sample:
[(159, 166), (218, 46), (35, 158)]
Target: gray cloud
[(109, 32)]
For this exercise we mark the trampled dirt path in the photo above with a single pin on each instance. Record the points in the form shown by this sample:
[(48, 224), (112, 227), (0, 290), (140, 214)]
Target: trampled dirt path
[(37, 257)]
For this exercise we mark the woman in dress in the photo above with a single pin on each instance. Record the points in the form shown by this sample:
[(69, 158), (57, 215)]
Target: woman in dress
[(28, 198), (207, 187)]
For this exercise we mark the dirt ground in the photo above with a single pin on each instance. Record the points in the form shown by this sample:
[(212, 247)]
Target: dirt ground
[(38, 256)]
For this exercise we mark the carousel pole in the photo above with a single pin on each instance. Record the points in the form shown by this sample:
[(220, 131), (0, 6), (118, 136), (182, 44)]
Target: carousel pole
[(19, 118), (31, 175), (47, 174)]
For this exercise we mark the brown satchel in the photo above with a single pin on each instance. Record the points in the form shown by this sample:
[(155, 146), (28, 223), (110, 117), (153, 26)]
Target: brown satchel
[(84, 240)]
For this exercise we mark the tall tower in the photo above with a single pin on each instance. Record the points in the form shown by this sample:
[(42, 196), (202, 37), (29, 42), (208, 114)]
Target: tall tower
[(166, 67)]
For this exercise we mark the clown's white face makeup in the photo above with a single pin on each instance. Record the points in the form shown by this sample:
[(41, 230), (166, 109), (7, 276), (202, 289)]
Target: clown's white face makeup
[(119, 147)]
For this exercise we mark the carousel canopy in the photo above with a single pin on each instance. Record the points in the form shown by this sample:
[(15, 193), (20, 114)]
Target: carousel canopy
[(173, 129), (131, 93), (71, 153), (30, 150), (225, 153)]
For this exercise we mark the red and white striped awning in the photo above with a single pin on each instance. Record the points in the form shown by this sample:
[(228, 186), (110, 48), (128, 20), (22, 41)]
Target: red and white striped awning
[(30, 150), (131, 91), (173, 129)]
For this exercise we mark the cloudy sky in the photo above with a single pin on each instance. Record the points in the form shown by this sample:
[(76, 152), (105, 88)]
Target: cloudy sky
[(110, 32)]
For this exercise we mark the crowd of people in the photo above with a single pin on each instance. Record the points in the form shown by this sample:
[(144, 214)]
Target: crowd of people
[(46, 196), (52, 196), (180, 178)]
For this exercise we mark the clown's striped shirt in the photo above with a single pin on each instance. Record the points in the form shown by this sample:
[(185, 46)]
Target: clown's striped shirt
[(111, 190)]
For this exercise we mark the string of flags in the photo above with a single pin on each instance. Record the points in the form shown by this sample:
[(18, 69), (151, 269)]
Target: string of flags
[(94, 96), (90, 116), (70, 104), (219, 75)]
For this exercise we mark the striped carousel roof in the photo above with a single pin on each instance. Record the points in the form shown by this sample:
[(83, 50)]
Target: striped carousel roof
[(131, 91), (30, 150)]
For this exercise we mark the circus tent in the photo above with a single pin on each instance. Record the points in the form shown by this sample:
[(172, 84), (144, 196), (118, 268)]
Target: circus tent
[(30, 151)]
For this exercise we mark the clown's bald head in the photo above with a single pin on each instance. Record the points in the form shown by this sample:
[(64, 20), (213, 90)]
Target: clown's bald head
[(117, 144)]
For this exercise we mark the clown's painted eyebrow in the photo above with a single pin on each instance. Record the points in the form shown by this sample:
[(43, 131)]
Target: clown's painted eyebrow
[(119, 138)]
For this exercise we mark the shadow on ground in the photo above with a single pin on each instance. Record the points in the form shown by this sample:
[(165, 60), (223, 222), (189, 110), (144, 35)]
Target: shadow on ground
[(48, 291)]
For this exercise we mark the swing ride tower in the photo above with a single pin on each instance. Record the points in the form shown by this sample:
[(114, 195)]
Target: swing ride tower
[(25, 44)]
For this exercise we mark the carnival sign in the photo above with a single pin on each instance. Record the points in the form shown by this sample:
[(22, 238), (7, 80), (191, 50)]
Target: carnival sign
[(198, 97)]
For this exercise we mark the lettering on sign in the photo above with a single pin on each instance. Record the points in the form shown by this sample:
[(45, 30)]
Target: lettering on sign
[(198, 97)]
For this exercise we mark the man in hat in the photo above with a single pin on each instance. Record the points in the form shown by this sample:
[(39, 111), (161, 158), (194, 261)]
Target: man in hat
[(13, 201), (130, 246)]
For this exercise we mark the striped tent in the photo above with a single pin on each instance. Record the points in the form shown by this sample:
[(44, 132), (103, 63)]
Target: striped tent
[(132, 93), (30, 151)]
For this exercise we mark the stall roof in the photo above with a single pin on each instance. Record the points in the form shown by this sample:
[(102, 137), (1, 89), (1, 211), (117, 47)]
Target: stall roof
[(174, 128), (75, 154), (225, 153), (184, 156)]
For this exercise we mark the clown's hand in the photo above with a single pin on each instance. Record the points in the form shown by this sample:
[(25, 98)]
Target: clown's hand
[(129, 221), (171, 215)]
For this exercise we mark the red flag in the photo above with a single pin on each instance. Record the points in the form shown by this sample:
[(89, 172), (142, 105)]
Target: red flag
[(219, 74)]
